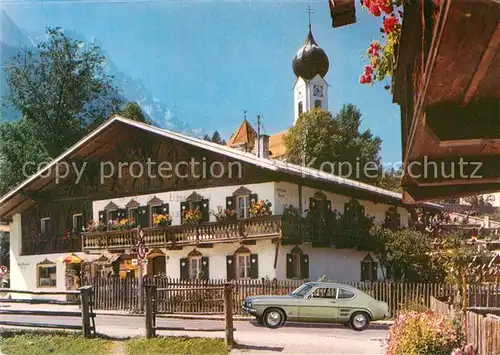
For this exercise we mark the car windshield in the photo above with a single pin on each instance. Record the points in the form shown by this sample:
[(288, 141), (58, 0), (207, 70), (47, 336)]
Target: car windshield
[(302, 290)]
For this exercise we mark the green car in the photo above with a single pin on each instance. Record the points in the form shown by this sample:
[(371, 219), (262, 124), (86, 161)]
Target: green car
[(319, 302)]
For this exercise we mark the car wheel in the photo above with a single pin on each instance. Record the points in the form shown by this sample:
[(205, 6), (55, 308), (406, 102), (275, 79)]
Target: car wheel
[(259, 320), (273, 318), (359, 321)]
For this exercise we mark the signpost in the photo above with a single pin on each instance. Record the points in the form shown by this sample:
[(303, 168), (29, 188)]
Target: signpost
[(3, 271), (141, 255)]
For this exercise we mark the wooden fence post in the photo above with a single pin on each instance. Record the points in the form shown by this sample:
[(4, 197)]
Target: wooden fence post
[(85, 297), (228, 312), (150, 314)]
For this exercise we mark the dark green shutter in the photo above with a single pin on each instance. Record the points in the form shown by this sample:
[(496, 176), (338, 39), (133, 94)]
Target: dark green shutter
[(204, 268), (230, 204), (374, 271), (289, 266), (143, 216), (312, 204), (184, 208), (69, 223), (254, 266), (205, 210), (102, 216), (230, 268), (328, 205), (184, 265), (363, 271), (346, 209), (253, 198), (362, 210), (304, 266), (165, 209)]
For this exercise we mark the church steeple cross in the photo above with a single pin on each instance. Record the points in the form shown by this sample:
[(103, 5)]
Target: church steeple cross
[(309, 11)]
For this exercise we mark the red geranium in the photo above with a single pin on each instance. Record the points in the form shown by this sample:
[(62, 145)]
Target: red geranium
[(390, 24)]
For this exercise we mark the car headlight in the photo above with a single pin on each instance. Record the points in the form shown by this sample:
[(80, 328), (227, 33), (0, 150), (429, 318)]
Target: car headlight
[(249, 304)]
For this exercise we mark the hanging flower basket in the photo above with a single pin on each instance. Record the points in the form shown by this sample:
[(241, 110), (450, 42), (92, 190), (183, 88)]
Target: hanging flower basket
[(261, 208), (192, 216)]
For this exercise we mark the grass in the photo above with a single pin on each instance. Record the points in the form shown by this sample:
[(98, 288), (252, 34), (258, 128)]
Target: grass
[(55, 343), (175, 345)]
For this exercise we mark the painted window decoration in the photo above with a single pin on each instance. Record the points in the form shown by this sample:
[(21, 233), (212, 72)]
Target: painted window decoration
[(195, 266), (242, 264), (297, 264), (45, 227), (369, 269), (46, 274)]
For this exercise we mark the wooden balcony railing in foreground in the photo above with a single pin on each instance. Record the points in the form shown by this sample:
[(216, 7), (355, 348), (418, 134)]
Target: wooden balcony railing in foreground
[(187, 234), (47, 245)]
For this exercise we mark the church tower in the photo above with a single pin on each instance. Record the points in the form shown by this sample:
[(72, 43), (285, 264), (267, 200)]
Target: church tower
[(310, 65)]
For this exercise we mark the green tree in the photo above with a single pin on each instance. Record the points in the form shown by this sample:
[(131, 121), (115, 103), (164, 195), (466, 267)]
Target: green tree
[(62, 90), (335, 144), (215, 138), (4, 249), (133, 111), (19, 144), (390, 179)]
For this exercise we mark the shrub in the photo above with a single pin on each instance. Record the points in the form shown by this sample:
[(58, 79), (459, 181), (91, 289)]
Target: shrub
[(423, 333)]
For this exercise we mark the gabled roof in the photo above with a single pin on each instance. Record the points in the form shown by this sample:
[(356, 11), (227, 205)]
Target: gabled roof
[(244, 134), (17, 200)]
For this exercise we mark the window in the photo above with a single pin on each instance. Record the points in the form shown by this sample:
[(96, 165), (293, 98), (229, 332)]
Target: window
[(159, 265), (301, 108), (243, 266), (194, 267), (45, 227), (154, 210), (242, 206), (112, 215), (297, 264), (324, 292), (78, 223), (345, 294), (369, 269), (317, 103), (47, 275)]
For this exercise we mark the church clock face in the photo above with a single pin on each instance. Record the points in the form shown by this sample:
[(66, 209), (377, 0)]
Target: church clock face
[(318, 90)]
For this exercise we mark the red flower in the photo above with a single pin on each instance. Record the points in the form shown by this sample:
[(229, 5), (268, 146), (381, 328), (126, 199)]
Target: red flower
[(387, 7), (390, 24), (374, 9), (368, 70), (365, 79)]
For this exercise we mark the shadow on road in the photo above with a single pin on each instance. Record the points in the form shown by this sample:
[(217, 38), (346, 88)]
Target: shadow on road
[(323, 325), (258, 347)]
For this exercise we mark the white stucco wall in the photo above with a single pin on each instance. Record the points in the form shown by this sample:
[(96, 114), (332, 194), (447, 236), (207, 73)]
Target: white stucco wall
[(216, 196), (217, 258)]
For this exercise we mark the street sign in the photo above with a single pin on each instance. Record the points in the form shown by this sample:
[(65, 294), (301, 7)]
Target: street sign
[(141, 251), (3, 270), (134, 261)]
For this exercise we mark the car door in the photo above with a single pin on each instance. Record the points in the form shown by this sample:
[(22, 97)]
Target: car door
[(319, 305), (345, 304)]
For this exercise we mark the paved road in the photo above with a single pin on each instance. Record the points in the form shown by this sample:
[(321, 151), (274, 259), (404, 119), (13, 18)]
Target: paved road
[(293, 338)]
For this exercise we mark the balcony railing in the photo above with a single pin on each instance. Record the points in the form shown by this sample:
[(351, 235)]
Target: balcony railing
[(47, 245), (186, 234)]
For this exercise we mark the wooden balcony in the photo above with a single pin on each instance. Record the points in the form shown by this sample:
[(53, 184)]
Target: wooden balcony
[(48, 245), (186, 234)]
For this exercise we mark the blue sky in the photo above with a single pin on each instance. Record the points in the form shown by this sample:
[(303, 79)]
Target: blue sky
[(208, 61)]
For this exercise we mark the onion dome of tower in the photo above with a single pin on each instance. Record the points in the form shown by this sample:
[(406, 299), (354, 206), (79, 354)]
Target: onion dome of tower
[(310, 59)]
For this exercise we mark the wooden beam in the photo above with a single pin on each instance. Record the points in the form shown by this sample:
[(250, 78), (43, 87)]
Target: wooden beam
[(484, 65)]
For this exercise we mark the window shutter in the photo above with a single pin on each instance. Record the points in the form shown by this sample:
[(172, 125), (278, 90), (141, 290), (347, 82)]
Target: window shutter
[(328, 205), (204, 268), (374, 271), (102, 216), (184, 265), (363, 271), (205, 211), (289, 266), (312, 204), (184, 208), (121, 213), (362, 210), (230, 268), (230, 204), (254, 266), (143, 220), (165, 209), (253, 198), (304, 266)]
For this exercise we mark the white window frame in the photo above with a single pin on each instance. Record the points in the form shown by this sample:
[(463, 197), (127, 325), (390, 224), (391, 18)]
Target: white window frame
[(245, 198), (151, 213), (108, 215), (195, 260), (247, 267), (43, 232), (75, 224), (130, 214), (38, 274)]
